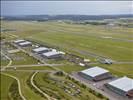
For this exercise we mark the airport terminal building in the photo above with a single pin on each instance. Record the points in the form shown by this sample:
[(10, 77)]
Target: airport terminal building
[(122, 86), (95, 74)]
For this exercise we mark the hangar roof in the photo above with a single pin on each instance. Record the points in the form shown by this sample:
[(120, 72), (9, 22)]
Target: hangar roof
[(17, 41), (25, 43), (51, 53), (123, 83), (40, 49), (94, 71)]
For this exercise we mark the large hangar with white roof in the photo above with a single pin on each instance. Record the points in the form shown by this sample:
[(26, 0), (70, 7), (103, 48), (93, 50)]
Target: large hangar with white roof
[(122, 86), (23, 43), (95, 74), (19, 41), (41, 50), (52, 54)]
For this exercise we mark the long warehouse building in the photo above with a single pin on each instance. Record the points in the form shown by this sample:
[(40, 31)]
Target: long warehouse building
[(25, 43), (122, 86), (95, 74), (41, 50), (52, 54)]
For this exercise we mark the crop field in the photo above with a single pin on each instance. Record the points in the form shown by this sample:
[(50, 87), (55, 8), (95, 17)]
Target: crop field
[(89, 41)]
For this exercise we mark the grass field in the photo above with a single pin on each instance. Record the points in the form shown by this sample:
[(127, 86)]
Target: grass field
[(26, 59), (83, 40), (5, 84), (26, 90), (71, 68)]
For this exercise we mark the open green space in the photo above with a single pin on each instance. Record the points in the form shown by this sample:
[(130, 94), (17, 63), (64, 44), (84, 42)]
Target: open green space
[(28, 93), (71, 68), (5, 83), (88, 41), (61, 88), (21, 58), (79, 39), (4, 63)]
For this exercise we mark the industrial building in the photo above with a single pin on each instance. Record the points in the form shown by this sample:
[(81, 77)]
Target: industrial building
[(122, 86), (25, 43), (41, 50), (52, 54), (95, 74)]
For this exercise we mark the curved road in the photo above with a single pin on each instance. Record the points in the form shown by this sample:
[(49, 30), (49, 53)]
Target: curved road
[(19, 86), (46, 95)]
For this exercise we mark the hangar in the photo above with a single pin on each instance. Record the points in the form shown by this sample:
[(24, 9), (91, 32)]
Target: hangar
[(25, 43), (52, 54), (122, 86), (19, 41), (95, 74), (41, 50)]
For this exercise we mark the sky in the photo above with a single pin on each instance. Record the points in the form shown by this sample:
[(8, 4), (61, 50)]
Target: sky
[(66, 7)]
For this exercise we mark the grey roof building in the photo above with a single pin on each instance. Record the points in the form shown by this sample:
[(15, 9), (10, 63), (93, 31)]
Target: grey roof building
[(52, 54), (25, 43), (41, 50), (95, 73), (19, 41), (122, 86)]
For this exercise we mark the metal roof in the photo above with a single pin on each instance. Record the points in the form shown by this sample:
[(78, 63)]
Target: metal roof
[(17, 41), (51, 53), (94, 71), (40, 49), (123, 83), (25, 43)]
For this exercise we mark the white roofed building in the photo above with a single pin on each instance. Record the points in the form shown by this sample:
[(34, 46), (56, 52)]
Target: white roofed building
[(41, 50), (52, 54), (95, 73), (122, 86), (19, 41), (25, 43)]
